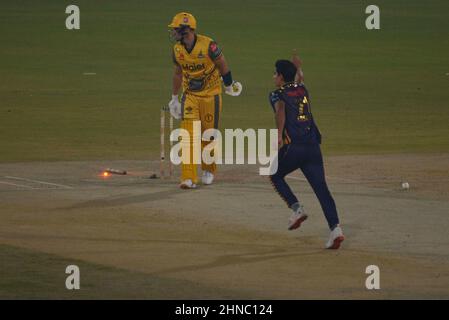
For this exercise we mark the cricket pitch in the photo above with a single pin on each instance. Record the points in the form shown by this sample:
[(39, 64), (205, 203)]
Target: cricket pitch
[(135, 237)]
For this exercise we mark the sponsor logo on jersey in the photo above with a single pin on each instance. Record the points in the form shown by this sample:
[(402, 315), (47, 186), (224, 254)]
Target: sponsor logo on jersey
[(193, 67), (295, 93)]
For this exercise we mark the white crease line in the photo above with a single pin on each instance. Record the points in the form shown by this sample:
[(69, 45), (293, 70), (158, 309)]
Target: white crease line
[(41, 182), (16, 185)]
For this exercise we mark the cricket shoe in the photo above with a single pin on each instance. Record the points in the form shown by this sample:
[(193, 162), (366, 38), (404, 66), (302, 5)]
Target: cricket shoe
[(187, 184), (296, 219), (335, 239), (207, 177)]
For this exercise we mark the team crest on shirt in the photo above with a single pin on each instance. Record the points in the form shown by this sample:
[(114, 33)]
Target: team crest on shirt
[(181, 56)]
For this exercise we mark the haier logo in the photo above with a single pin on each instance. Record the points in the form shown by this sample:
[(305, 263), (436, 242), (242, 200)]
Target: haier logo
[(193, 67)]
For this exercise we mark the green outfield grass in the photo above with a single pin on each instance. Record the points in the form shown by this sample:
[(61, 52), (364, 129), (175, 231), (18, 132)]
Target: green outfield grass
[(372, 91)]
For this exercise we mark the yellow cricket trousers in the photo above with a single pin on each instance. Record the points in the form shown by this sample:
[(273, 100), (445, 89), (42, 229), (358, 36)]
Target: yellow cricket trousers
[(207, 110)]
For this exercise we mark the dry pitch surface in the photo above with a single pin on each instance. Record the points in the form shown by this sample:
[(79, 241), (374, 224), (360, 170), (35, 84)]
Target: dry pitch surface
[(139, 238)]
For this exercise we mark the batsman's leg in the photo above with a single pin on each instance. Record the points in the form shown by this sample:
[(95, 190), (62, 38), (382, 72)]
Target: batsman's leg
[(161, 168), (190, 113), (210, 110), (170, 163)]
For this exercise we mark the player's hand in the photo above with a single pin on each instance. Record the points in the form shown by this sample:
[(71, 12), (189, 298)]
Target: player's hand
[(175, 107), (235, 89), (280, 141), (295, 59)]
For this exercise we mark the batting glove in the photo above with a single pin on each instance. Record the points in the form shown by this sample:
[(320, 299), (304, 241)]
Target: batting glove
[(235, 89), (175, 107)]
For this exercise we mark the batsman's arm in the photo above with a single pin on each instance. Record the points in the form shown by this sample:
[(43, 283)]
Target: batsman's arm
[(177, 76), (174, 105), (177, 79), (280, 118), (222, 65), (217, 56), (232, 88)]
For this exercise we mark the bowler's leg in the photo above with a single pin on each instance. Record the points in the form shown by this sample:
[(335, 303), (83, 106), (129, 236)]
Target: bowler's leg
[(313, 169), (287, 163), (289, 159)]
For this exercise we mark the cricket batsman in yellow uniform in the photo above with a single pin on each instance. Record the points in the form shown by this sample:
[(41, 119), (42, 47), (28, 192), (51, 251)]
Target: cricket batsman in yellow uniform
[(200, 68)]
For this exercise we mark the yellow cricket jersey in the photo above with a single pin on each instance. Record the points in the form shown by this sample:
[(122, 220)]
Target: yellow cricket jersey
[(199, 74)]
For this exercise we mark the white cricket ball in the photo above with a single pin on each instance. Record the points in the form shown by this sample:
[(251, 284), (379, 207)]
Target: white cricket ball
[(405, 185)]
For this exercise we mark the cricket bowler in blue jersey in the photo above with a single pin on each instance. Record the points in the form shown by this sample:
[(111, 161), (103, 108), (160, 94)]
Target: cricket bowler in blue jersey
[(299, 140)]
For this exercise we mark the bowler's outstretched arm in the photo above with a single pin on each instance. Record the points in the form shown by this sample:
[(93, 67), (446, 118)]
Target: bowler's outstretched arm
[(299, 78)]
